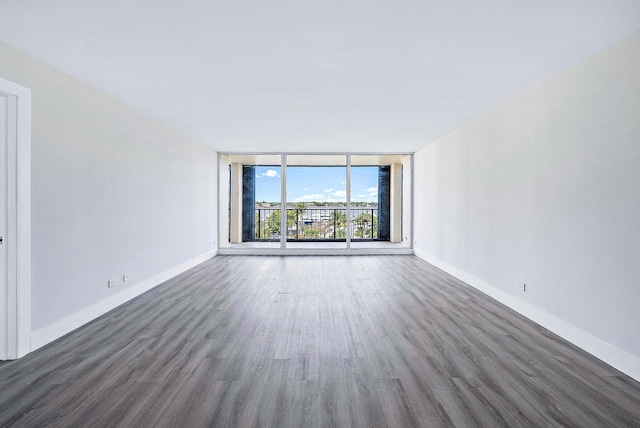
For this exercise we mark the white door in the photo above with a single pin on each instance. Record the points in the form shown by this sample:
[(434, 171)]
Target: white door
[(3, 228), (15, 220)]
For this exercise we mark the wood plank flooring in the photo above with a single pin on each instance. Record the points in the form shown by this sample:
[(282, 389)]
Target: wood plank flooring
[(363, 341)]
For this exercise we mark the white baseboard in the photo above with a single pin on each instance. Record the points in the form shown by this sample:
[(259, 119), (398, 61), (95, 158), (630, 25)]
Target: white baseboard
[(615, 357), (69, 323)]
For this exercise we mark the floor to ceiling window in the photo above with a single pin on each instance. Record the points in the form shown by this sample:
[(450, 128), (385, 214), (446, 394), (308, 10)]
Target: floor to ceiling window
[(302, 201)]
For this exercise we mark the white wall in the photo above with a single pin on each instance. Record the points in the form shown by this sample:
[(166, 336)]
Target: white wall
[(545, 189), (113, 192)]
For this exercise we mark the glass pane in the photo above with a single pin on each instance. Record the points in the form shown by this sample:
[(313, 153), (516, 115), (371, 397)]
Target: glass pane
[(316, 201), (364, 202), (378, 204), (267, 203), (253, 201)]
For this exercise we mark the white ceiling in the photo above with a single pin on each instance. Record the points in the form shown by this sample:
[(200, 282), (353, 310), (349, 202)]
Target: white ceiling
[(298, 76)]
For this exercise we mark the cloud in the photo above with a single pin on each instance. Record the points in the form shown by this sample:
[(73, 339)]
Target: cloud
[(329, 190), (270, 173), (306, 188), (373, 191), (340, 193), (313, 197), (362, 196)]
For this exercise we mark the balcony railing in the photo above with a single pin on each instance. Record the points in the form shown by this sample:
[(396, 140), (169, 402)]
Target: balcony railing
[(317, 224)]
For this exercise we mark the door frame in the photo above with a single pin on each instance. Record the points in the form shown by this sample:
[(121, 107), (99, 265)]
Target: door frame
[(18, 239)]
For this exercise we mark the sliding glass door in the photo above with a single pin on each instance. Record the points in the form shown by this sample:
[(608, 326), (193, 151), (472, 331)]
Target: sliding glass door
[(316, 201), (252, 196), (302, 201)]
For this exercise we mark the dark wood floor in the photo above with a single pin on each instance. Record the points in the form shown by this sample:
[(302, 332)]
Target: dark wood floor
[(314, 341)]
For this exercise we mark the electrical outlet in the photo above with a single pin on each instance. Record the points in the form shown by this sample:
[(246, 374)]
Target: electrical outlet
[(521, 285), (112, 283), (126, 277)]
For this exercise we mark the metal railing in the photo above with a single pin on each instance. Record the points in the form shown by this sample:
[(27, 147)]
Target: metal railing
[(317, 224)]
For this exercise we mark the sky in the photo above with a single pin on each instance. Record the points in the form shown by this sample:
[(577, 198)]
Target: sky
[(317, 184)]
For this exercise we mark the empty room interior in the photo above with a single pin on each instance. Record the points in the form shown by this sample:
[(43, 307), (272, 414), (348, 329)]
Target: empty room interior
[(288, 214)]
